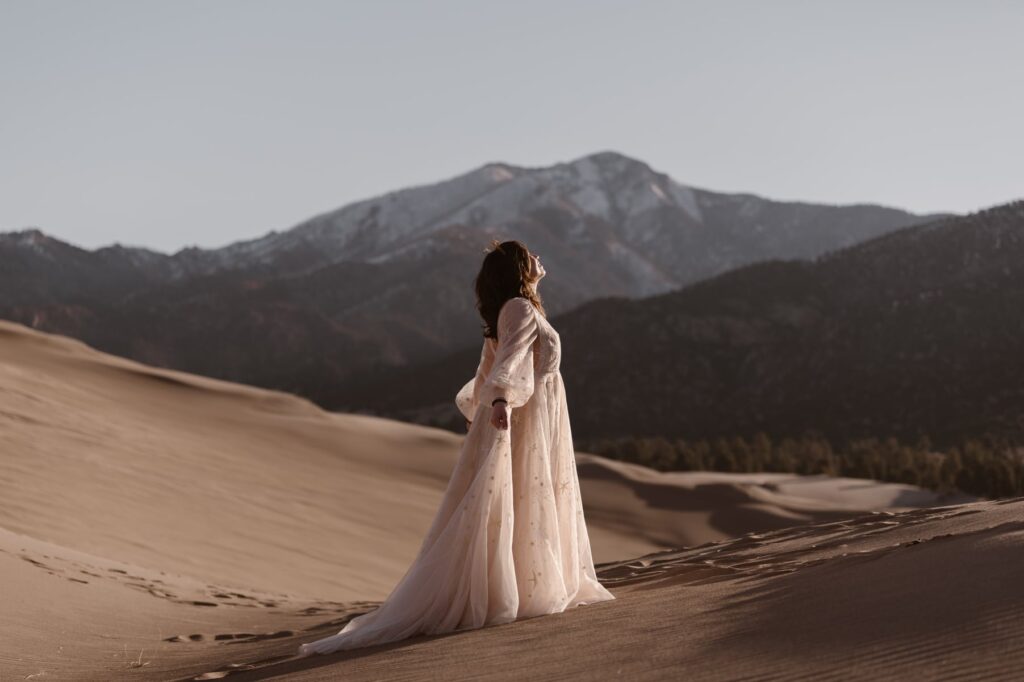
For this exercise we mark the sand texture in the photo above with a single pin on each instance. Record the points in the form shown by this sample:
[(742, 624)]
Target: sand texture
[(157, 525)]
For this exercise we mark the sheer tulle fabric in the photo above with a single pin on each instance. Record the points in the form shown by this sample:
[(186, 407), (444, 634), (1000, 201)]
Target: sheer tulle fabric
[(509, 539)]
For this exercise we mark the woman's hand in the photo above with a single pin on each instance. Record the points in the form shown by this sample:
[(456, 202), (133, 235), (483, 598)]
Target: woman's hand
[(499, 415)]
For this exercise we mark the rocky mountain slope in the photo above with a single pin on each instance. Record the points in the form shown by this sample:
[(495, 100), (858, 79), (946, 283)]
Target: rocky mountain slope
[(388, 281), (915, 332)]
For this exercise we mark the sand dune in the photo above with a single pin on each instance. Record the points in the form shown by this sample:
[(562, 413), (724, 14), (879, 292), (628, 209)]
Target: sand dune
[(150, 518), (917, 595)]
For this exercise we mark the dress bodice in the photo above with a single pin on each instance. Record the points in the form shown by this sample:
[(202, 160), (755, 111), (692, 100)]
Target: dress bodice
[(547, 349), (530, 351)]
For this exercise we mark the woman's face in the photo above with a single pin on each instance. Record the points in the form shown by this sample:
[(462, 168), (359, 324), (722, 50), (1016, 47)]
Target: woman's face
[(536, 268)]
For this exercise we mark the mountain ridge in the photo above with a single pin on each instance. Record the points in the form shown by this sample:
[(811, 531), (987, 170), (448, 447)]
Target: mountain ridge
[(387, 281), (909, 334)]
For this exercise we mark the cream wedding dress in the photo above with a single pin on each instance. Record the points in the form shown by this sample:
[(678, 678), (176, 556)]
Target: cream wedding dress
[(509, 540)]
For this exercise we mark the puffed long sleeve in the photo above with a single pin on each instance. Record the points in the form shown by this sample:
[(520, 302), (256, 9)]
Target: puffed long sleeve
[(511, 374), (468, 397)]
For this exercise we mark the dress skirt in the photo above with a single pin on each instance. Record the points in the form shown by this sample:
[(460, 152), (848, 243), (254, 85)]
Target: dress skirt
[(509, 539)]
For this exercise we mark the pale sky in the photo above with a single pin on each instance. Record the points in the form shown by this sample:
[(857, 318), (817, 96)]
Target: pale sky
[(202, 122)]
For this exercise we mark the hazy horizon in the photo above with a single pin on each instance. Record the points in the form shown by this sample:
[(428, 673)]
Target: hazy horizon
[(191, 123)]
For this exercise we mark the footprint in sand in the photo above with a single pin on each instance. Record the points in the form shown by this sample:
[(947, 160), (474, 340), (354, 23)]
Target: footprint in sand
[(259, 638), (233, 637), (40, 564), (232, 668)]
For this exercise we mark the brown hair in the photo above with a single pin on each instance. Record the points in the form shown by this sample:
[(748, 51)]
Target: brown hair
[(504, 274)]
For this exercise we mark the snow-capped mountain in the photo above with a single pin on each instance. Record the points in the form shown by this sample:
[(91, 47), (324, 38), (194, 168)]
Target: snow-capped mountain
[(388, 280), (646, 231)]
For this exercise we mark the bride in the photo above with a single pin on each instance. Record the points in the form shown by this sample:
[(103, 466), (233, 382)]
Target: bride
[(509, 540)]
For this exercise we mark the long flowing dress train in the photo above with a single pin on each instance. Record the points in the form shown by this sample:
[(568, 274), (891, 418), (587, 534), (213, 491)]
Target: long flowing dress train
[(509, 540)]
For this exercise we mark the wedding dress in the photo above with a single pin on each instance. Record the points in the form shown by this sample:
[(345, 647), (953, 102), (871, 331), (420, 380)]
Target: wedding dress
[(509, 540)]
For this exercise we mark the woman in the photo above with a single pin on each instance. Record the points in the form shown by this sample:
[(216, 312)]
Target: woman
[(509, 540)]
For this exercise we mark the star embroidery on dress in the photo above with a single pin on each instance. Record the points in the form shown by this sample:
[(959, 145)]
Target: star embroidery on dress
[(563, 486), (533, 578)]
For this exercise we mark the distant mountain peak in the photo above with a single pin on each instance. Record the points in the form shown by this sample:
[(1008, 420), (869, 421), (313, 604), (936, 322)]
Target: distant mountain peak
[(500, 172), (653, 232), (608, 157), (33, 239), (26, 235)]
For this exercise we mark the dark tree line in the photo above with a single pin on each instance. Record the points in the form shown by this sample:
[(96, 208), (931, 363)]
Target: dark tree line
[(987, 467)]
